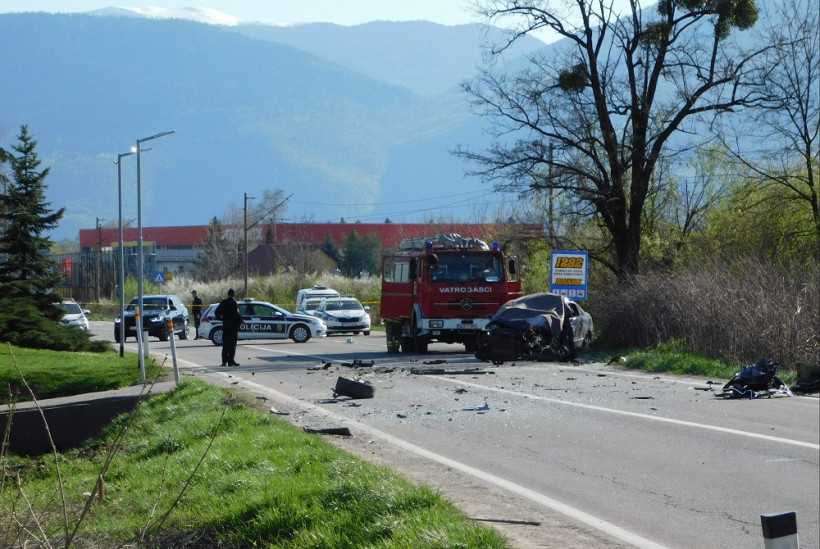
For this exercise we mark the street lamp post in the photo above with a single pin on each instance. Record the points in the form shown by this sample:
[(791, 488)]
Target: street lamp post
[(141, 259), (122, 252)]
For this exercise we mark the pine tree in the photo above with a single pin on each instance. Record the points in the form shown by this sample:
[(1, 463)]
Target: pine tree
[(26, 270), (331, 250)]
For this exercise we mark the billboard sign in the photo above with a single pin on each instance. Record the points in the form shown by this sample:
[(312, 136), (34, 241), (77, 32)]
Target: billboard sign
[(569, 273)]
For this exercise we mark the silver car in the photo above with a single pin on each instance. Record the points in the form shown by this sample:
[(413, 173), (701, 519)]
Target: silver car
[(73, 314), (263, 320)]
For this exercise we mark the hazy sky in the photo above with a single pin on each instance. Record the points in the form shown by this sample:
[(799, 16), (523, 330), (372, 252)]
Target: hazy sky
[(344, 12)]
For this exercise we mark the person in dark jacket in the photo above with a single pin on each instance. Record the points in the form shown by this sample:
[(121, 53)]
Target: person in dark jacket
[(196, 310), (228, 312)]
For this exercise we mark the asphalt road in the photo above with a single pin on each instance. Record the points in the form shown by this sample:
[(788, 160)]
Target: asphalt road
[(640, 459)]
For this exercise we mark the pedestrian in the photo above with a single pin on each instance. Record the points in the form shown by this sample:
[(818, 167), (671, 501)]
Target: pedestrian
[(228, 312), (196, 310)]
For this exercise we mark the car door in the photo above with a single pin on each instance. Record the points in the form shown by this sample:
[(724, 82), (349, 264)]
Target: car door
[(275, 322), (246, 328), (577, 322)]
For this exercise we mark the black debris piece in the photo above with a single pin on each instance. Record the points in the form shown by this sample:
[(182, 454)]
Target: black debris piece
[(436, 361), (401, 416), (338, 431), (572, 378), (358, 363), (642, 398), (709, 388), (508, 521), (384, 370), (442, 371), (352, 389), (808, 380), (601, 375), (460, 390)]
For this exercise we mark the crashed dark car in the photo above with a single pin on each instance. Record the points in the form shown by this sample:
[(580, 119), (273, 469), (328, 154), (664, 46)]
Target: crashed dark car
[(535, 327)]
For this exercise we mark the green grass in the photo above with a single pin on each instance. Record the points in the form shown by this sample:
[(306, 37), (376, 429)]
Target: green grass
[(62, 373), (263, 484), (675, 359)]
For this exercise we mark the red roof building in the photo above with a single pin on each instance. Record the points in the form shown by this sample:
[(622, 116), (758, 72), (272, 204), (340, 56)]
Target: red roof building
[(390, 234)]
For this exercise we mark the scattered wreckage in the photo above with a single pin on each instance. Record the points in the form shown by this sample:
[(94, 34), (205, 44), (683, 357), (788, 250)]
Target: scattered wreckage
[(539, 326), (756, 380)]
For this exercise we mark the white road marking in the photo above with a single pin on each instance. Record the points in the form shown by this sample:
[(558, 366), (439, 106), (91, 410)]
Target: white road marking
[(661, 419), (576, 514), (646, 377)]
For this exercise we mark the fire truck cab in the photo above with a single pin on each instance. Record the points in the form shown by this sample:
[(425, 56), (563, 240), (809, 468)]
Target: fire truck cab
[(444, 288)]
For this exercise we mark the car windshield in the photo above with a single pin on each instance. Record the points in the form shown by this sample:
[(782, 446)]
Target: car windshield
[(70, 308), (346, 305), (149, 303), (467, 267)]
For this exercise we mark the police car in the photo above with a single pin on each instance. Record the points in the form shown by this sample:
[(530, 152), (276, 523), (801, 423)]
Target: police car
[(262, 320)]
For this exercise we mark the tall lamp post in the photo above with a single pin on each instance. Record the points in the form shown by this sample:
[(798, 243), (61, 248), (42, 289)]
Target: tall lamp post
[(122, 252), (141, 259)]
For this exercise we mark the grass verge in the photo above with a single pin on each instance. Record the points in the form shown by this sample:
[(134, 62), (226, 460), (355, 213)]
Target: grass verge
[(673, 358), (262, 483), (62, 373)]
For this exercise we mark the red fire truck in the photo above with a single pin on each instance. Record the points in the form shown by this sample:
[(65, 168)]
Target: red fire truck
[(443, 288)]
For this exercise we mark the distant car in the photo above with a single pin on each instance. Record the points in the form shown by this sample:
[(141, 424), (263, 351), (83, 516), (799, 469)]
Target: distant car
[(73, 314), (157, 309), (309, 299), (263, 320), (534, 326), (344, 315)]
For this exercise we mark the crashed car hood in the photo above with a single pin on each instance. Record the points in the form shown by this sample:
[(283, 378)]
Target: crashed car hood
[(532, 311)]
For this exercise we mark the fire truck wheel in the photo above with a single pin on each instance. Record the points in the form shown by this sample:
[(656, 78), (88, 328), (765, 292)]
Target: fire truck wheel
[(421, 345), (407, 345)]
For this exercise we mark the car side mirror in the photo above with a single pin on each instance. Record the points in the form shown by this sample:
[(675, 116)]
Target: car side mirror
[(86, 312), (367, 308)]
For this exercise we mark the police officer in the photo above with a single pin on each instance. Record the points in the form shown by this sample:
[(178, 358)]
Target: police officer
[(196, 310), (228, 312)]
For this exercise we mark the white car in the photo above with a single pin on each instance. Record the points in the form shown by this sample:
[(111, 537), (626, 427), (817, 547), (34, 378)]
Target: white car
[(344, 315), (73, 314), (263, 320)]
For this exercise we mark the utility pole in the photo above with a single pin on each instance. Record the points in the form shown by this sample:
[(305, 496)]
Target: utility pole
[(551, 206), (245, 240), (247, 228), (98, 273)]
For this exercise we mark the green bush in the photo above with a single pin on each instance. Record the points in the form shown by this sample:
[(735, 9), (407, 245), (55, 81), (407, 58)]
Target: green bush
[(22, 324)]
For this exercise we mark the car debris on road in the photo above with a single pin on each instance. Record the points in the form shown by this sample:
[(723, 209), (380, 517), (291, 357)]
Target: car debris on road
[(442, 371), (756, 381), (352, 388), (338, 431)]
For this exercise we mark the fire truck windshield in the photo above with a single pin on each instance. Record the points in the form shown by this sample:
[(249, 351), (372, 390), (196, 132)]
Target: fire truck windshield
[(467, 267)]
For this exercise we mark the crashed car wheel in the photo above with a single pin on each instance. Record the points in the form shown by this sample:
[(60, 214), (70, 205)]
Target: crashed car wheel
[(217, 336)]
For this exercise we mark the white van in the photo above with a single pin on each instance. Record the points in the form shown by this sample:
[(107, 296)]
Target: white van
[(309, 299)]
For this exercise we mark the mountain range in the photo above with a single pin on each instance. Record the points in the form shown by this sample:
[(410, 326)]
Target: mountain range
[(299, 108)]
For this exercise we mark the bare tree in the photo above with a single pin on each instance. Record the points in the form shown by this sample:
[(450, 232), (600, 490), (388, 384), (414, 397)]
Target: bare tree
[(787, 127), (610, 104)]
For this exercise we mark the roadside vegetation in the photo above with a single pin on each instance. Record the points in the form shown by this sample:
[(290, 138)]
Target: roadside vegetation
[(53, 374), (198, 467)]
